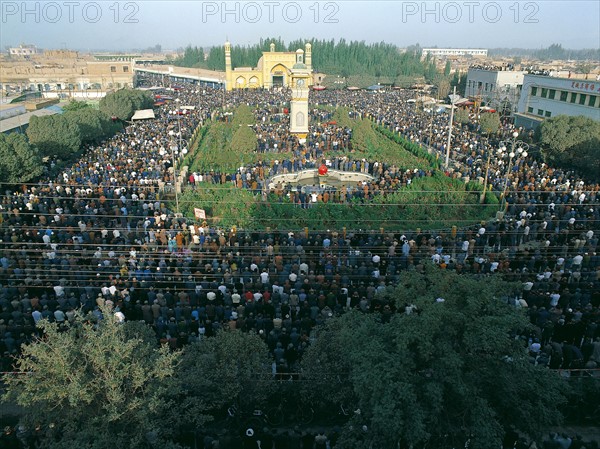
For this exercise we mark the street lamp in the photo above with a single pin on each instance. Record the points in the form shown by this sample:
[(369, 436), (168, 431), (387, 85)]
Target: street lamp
[(520, 152)]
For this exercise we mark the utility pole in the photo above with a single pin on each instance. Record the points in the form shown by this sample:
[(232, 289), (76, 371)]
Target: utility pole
[(450, 127)]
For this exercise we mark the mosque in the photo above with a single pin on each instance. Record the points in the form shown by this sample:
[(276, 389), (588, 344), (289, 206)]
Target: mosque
[(274, 69)]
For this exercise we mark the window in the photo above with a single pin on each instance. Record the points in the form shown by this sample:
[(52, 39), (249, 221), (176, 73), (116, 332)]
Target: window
[(563, 95), (533, 91), (540, 112), (592, 101), (582, 98), (573, 97), (544, 92), (530, 110), (552, 94), (548, 114), (113, 68), (486, 87), (125, 68)]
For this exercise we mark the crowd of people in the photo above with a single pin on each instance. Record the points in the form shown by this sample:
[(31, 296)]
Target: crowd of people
[(101, 234)]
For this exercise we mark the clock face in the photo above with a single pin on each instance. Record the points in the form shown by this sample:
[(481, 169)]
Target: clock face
[(300, 83)]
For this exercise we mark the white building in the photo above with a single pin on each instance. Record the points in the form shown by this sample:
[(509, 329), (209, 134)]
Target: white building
[(544, 96), (495, 87), (22, 50), (480, 52)]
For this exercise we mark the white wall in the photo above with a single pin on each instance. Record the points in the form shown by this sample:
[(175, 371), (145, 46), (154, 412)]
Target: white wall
[(556, 106)]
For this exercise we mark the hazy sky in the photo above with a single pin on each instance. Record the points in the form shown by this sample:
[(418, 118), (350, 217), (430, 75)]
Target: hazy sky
[(122, 25)]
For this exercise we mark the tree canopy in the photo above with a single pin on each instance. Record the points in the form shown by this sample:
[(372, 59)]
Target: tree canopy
[(124, 102), (343, 58), (571, 142), (75, 105), (94, 125), (490, 123), (94, 383), (217, 372), (54, 135), (19, 161), (446, 373)]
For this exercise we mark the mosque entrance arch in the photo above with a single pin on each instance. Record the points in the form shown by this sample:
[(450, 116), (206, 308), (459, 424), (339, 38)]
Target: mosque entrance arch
[(279, 75)]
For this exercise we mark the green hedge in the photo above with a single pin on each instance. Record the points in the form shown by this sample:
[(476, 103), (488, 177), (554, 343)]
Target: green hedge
[(372, 145), (414, 148), (435, 202)]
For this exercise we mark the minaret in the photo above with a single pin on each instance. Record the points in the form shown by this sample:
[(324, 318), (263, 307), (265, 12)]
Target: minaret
[(300, 79), (228, 74), (308, 56), (272, 47)]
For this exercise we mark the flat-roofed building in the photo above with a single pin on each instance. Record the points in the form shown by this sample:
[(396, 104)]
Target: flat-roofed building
[(545, 96), (441, 52), (23, 50), (498, 87)]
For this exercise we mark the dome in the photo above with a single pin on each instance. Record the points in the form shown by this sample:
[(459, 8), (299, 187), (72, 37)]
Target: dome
[(299, 60)]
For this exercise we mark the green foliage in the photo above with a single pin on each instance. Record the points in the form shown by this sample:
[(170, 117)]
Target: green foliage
[(374, 61), (226, 146), (490, 123), (99, 384), (368, 143), (225, 205), (217, 372), (93, 124), (460, 81), (553, 52), (54, 136), (571, 142), (447, 68), (192, 57), (63, 134), (409, 146), (461, 116), (443, 86), (19, 161), (75, 105), (444, 374), (124, 102), (438, 202)]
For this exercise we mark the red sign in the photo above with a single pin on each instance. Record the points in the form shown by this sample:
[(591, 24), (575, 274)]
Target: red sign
[(590, 87)]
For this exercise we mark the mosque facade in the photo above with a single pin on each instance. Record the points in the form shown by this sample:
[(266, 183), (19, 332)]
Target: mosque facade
[(274, 69)]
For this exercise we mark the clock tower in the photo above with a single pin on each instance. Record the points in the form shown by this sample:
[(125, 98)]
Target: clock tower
[(300, 80)]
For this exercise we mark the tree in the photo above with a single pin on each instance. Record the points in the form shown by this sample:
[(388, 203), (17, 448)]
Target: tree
[(93, 125), (54, 135), (447, 68), (75, 105), (451, 371), (443, 86), (489, 122), (218, 372), (461, 116), (585, 68), (124, 102), (19, 161), (95, 383), (571, 142), (460, 81)]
